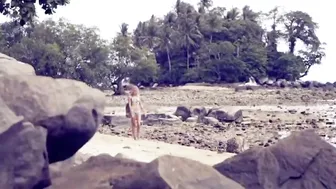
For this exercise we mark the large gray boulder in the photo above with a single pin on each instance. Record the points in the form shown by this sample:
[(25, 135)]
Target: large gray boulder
[(24, 161), (95, 173), (11, 66), (23, 154), (175, 172), (226, 114), (70, 110), (301, 160), (42, 121)]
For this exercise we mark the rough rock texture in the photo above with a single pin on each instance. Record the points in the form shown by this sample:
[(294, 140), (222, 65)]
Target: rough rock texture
[(235, 145), (10, 66), (193, 119), (162, 119), (7, 117), (121, 155), (23, 159), (183, 112), (302, 160), (198, 111), (175, 172), (70, 110), (209, 121), (95, 173), (56, 169), (226, 115), (42, 121)]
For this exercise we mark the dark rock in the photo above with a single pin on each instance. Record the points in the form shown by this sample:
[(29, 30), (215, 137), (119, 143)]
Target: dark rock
[(282, 83), (56, 169), (161, 119), (183, 112), (292, 111), (296, 84), (198, 111), (95, 173), (329, 84), (235, 145), (302, 160), (226, 115), (175, 172), (24, 160), (107, 119), (70, 110), (210, 121), (317, 84), (306, 84)]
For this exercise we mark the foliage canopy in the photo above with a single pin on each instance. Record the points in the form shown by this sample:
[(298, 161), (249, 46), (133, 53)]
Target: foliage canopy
[(189, 44)]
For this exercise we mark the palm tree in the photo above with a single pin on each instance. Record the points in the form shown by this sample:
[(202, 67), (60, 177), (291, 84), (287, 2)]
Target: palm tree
[(232, 14), (214, 24), (189, 33), (123, 48), (146, 33), (138, 34), (249, 14), (166, 35), (204, 5), (124, 30)]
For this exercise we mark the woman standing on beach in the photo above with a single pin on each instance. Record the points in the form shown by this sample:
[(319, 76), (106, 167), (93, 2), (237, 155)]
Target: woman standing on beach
[(134, 109)]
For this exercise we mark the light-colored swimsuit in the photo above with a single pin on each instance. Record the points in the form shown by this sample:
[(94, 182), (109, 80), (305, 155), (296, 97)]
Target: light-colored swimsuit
[(135, 105)]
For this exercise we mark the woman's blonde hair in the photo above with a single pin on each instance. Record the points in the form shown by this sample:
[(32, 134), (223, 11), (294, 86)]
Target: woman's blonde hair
[(133, 88)]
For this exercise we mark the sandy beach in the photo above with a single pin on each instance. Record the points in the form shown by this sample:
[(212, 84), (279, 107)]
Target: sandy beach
[(146, 150)]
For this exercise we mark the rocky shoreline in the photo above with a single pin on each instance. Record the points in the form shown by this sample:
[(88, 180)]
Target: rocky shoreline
[(222, 96), (255, 132), (46, 121), (260, 125)]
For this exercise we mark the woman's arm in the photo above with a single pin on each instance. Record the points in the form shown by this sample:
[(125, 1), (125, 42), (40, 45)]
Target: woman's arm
[(142, 107), (129, 100)]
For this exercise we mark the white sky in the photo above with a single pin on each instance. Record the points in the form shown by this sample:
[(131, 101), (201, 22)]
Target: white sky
[(108, 15)]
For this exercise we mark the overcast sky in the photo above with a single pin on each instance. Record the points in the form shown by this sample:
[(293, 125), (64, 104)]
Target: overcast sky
[(107, 15)]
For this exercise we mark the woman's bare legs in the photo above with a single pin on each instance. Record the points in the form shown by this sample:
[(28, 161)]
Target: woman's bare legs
[(138, 123), (133, 121)]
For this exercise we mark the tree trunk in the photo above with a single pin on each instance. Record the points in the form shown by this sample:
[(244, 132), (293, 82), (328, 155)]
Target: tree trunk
[(188, 61), (169, 61), (292, 43), (306, 71), (187, 44), (219, 77), (238, 51), (120, 89)]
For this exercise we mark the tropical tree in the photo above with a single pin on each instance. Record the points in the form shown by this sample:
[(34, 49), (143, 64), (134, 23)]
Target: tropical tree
[(25, 11), (189, 33), (131, 61), (166, 35), (60, 49), (249, 14), (300, 26), (208, 44), (233, 14)]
